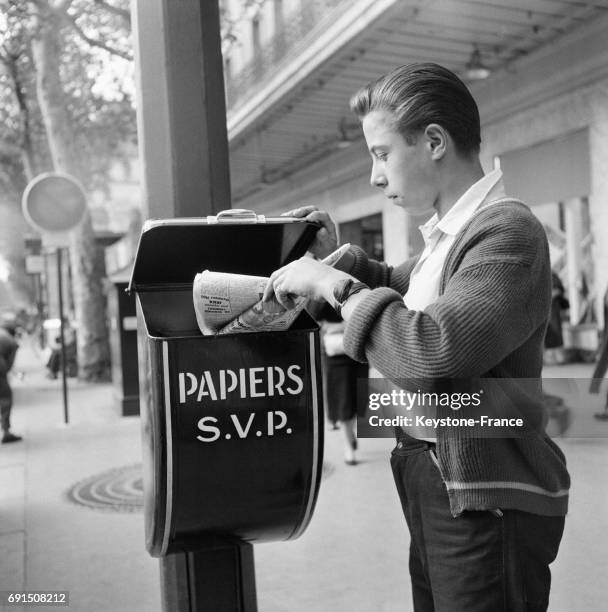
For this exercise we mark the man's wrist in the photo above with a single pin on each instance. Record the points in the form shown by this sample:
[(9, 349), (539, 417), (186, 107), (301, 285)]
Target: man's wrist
[(343, 290)]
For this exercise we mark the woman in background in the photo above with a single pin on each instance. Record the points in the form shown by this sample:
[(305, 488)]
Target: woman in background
[(345, 380)]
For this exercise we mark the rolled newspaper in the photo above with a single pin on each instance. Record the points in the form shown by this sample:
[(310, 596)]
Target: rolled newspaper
[(232, 303), (220, 297)]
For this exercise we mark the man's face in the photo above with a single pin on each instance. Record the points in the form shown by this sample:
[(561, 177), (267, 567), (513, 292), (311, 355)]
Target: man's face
[(405, 173)]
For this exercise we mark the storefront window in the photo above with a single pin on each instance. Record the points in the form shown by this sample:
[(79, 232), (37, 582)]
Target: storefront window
[(366, 233)]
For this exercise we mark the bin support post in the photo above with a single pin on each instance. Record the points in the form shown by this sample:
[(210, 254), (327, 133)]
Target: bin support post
[(181, 114), (218, 579)]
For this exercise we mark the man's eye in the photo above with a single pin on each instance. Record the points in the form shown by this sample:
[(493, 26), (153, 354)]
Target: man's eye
[(381, 156)]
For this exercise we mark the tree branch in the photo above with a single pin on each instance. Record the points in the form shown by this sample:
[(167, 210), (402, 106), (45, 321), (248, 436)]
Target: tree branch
[(125, 14), (93, 42), (24, 111), (61, 12)]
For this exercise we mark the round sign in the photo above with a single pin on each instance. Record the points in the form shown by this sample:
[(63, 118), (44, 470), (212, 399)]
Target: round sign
[(54, 202)]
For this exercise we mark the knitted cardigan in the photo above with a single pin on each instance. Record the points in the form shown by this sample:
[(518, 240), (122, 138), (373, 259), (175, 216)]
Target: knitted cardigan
[(489, 321)]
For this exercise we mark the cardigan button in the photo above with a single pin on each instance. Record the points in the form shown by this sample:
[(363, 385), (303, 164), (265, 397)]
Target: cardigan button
[(400, 445)]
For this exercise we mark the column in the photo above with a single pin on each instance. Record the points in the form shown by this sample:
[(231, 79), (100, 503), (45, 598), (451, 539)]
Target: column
[(574, 258)]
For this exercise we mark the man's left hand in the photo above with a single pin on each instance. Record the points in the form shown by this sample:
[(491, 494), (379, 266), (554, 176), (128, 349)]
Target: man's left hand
[(305, 277)]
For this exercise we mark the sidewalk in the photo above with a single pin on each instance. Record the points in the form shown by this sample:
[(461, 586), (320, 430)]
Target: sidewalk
[(50, 542), (352, 558)]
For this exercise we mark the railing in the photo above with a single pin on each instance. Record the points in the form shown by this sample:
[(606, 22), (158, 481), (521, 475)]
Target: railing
[(297, 26)]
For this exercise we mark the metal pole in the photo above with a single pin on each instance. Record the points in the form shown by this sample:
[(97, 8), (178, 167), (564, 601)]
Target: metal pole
[(40, 309), (219, 578), (184, 149), (47, 282), (62, 338)]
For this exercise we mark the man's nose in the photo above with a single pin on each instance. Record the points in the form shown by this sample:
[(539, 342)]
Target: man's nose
[(377, 179)]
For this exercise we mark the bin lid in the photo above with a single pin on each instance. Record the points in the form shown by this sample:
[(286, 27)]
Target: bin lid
[(172, 251)]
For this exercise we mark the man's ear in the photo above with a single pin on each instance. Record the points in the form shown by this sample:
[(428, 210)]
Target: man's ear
[(437, 140)]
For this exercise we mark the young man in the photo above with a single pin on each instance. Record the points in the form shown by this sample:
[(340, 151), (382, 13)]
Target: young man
[(485, 514)]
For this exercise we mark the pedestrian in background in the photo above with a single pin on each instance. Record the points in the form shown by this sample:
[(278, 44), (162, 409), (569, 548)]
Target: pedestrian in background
[(602, 364), (8, 351), (485, 514), (557, 411), (554, 338), (343, 378), (55, 362)]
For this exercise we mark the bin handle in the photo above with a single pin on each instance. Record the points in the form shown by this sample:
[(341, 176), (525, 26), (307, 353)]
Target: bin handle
[(236, 215)]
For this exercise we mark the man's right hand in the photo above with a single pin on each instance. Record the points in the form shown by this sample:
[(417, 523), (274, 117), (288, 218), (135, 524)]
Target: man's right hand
[(326, 240)]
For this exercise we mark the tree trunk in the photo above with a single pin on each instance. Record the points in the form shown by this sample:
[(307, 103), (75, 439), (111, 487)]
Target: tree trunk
[(89, 298)]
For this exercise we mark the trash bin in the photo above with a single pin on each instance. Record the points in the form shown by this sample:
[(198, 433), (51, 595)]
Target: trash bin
[(232, 424), (123, 344)]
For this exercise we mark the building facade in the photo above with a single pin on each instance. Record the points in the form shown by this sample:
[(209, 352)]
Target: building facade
[(291, 67)]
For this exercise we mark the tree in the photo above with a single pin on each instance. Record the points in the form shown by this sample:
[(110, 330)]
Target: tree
[(67, 110)]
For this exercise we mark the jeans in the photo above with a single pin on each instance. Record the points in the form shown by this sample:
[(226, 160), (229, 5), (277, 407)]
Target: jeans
[(6, 403), (492, 560), (5, 413)]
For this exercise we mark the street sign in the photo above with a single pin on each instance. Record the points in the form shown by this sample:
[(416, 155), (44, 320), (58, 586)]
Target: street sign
[(54, 204), (34, 264)]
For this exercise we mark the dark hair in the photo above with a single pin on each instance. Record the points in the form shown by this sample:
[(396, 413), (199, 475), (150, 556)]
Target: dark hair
[(420, 94)]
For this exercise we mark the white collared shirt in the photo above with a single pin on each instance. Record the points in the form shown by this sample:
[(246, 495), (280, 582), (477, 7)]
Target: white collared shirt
[(439, 235)]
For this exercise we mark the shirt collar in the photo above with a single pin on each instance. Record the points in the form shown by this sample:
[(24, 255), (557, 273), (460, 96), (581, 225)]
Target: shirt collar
[(488, 188), (427, 228)]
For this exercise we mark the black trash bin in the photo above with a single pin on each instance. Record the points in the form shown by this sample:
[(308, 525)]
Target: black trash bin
[(232, 424), (123, 344)]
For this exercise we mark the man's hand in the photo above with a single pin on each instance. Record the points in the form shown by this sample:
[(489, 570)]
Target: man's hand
[(326, 239), (304, 277)]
